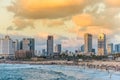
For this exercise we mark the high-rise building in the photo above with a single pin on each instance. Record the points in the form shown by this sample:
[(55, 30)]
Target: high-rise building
[(87, 43), (16, 45), (109, 48), (101, 44), (27, 44), (117, 48), (44, 53), (6, 47), (93, 51), (50, 46), (32, 44), (58, 48), (82, 48)]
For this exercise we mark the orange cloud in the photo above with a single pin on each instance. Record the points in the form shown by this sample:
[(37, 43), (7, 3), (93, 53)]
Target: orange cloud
[(71, 43), (44, 35), (37, 9), (113, 3), (95, 30), (23, 23), (83, 20), (52, 23)]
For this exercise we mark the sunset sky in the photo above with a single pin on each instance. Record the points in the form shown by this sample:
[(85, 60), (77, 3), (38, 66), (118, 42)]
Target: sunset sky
[(67, 20)]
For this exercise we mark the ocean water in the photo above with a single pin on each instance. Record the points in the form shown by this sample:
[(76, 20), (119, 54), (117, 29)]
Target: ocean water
[(53, 72)]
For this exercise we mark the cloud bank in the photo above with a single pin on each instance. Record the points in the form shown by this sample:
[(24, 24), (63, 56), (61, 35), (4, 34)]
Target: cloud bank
[(37, 9)]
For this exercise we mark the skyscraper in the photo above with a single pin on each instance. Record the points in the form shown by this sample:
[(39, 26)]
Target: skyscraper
[(58, 48), (101, 44), (32, 44), (44, 52), (87, 43), (25, 44), (6, 47), (110, 48), (16, 45), (28, 44), (50, 46), (82, 48), (117, 48)]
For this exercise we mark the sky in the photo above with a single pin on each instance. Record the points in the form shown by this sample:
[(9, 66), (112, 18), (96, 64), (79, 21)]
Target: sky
[(67, 20)]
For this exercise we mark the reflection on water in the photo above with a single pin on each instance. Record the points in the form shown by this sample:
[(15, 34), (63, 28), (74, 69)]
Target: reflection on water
[(53, 72)]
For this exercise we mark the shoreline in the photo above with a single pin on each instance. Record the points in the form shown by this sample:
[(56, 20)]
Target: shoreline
[(103, 65)]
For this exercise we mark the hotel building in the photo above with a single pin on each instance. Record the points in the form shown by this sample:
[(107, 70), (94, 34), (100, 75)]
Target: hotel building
[(109, 48), (7, 47), (101, 44), (87, 43), (58, 48), (50, 46), (28, 44), (117, 48)]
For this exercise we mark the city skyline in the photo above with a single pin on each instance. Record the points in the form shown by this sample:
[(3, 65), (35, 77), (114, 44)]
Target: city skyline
[(29, 44), (10, 48), (60, 39), (19, 18)]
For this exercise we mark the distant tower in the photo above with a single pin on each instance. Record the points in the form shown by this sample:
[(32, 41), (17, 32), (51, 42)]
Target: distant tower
[(32, 44), (25, 44), (109, 48), (50, 46), (58, 48), (87, 43), (82, 48), (6, 47), (117, 48), (101, 44), (43, 52), (28, 44), (16, 45)]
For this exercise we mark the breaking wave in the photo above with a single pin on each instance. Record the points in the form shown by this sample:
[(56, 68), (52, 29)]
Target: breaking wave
[(53, 72)]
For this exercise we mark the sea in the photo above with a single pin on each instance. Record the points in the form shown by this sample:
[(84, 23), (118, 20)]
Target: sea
[(54, 72)]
